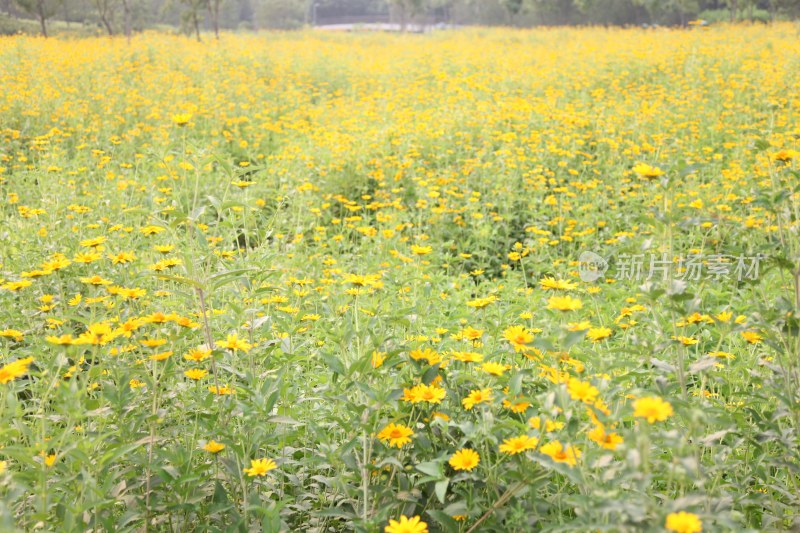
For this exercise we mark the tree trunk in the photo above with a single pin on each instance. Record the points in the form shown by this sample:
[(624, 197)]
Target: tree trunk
[(215, 16), (734, 5), (42, 17), (196, 23), (107, 24), (127, 14)]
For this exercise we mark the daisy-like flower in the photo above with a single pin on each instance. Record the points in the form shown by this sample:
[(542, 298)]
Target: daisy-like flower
[(646, 171), (561, 454), (605, 439), (396, 435), (260, 467), (213, 446), (598, 334), (475, 397), (582, 391), (550, 284), (424, 393), (752, 337), (234, 343), (683, 522), (15, 369), (564, 303), (406, 525), (464, 459), (495, 369), (652, 409), (515, 445), (518, 336), (181, 119), (196, 373), (421, 250)]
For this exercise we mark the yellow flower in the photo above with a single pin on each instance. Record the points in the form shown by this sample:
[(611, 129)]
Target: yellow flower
[(517, 406), (785, 155), (550, 283), (515, 445), (378, 358), (518, 336), (475, 397), (469, 333), (564, 303), (684, 522), (561, 454), (495, 369), (653, 409), (181, 119), (598, 334), (196, 373), (480, 303), (14, 286), (15, 369), (197, 354), (752, 337), (686, 341), (213, 446), (467, 357), (426, 355), (406, 525), (724, 316), (161, 356), (424, 393), (582, 391), (396, 435), (15, 334), (549, 426), (221, 391), (609, 441), (647, 171), (583, 325), (260, 467), (421, 250), (464, 459), (234, 343)]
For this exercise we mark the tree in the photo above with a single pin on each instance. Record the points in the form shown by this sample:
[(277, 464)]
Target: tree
[(213, 10), (126, 13), (40, 9), (513, 8), (193, 13), (105, 11), (407, 9), (670, 11)]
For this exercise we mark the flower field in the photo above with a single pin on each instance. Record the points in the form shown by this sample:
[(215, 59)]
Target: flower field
[(480, 280)]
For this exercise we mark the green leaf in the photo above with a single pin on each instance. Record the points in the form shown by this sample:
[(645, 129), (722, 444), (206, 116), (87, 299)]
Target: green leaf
[(431, 468), (441, 489), (515, 384), (572, 338), (334, 363), (444, 520), (179, 279), (430, 374)]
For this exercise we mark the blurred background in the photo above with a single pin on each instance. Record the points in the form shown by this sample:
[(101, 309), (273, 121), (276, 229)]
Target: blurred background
[(197, 16)]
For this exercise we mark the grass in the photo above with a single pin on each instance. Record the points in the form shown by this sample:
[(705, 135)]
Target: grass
[(356, 255)]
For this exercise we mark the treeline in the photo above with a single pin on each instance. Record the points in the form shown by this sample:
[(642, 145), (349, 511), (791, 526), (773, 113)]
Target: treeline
[(127, 16)]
